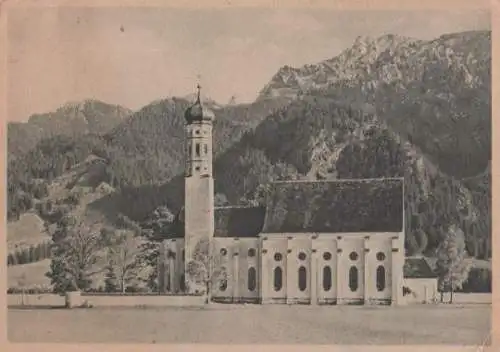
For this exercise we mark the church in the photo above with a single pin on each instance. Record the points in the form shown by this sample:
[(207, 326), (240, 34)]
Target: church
[(313, 242)]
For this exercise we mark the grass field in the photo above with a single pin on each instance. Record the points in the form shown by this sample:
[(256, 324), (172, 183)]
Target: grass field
[(425, 324)]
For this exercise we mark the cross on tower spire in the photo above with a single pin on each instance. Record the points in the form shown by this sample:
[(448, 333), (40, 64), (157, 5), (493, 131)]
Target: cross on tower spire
[(198, 87)]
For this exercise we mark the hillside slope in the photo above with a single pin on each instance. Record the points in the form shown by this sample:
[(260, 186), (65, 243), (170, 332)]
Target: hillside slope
[(435, 93), (89, 116)]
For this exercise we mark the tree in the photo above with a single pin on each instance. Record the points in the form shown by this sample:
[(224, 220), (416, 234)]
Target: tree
[(122, 258), (205, 267), (452, 266), (75, 252)]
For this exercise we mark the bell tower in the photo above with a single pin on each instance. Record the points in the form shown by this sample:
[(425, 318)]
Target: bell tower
[(198, 180)]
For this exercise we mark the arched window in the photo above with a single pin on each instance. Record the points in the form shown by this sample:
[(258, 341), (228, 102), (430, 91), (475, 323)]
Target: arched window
[(302, 278), (182, 283), (252, 279), (380, 278), (278, 278), (353, 278), (197, 149), (169, 272), (327, 278), (223, 279)]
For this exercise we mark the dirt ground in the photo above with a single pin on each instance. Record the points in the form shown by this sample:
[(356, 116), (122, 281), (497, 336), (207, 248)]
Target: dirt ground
[(425, 324)]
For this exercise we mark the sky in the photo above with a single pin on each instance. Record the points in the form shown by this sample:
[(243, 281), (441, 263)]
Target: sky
[(133, 56)]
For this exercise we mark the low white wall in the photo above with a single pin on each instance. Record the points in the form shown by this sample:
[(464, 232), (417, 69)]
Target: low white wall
[(41, 300), (422, 291), (469, 298), (51, 300)]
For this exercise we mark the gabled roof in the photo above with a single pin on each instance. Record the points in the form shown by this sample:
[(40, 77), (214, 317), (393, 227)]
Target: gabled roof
[(231, 221), (239, 221), (365, 205), (417, 268)]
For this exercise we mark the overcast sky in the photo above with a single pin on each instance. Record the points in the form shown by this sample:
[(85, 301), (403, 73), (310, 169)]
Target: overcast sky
[(134, 56)]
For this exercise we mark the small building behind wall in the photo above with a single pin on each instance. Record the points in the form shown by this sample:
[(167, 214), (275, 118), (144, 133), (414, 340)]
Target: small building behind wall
[(420, 282)]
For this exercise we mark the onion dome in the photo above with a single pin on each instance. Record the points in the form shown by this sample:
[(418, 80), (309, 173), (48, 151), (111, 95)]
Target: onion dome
[(197, 112)]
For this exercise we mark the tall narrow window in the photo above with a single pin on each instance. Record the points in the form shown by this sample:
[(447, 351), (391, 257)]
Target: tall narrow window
[(223, 285), (380, 278), (205, 147), (252, 279), (278, 278), (327, 278), (197, 149), (182, 283), (302, 278), (353, 278)]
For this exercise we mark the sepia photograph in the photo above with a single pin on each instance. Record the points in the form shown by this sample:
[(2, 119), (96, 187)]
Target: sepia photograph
[(248, 175)]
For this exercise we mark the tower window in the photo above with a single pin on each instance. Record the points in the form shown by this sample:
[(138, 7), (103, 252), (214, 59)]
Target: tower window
[(197, 149), (206, 148), (380, 256), (251, 252), (302, 256)]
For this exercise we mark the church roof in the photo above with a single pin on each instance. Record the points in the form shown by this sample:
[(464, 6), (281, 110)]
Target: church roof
[(197, 112), (417, 268), (239, 221), (366, 205), (231, 221)]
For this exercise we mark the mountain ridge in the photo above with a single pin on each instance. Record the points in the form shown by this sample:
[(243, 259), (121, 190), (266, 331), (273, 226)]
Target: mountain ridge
[(377, 119)]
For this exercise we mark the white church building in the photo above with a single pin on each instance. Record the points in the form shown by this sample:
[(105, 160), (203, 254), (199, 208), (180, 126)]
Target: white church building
[(314, 242)]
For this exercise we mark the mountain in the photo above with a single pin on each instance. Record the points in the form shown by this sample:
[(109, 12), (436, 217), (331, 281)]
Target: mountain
[(389, 106), (89, 116), (435, 93), (143, 151)]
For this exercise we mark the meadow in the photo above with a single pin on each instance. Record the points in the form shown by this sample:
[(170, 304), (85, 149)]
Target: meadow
[(458, 324)]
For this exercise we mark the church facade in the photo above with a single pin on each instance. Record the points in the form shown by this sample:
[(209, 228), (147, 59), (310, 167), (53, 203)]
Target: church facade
[(313, 242)]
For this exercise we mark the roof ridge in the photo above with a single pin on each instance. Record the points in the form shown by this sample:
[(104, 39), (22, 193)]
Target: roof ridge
[(340, 180), (238, 207)]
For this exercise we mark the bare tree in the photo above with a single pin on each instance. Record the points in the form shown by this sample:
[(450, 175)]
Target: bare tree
[(122, 257), (76, 250), (205, 267)]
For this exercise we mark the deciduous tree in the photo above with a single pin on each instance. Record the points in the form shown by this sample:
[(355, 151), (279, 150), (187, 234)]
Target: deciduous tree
[(205, 267), (75, 252), (122, 258), (452, 266)]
